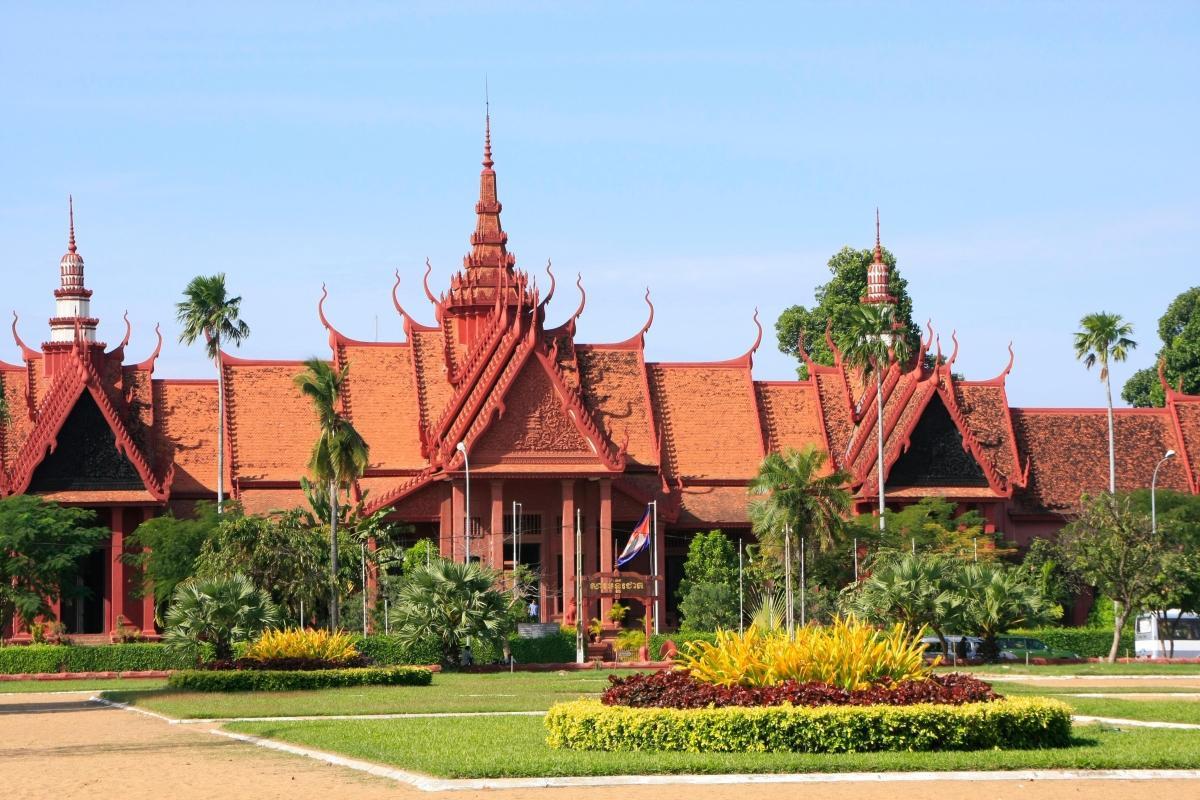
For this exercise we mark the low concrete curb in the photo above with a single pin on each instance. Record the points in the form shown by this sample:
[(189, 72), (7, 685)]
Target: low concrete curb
[(85, 676)]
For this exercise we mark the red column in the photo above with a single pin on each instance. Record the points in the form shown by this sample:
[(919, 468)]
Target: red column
[(495, 550), (568, 551), (116, 569), (606, 539), (445, 524), (456, 549), (148, 628)]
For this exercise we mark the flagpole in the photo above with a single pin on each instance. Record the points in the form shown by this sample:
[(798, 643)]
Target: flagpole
[(654, 560)]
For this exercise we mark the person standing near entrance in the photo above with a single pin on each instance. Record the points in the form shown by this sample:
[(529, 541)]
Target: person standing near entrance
[(533, 611)]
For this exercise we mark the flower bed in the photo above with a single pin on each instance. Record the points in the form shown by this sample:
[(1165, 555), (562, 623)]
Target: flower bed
[(1013, 723), (678, 689), (262, 680)]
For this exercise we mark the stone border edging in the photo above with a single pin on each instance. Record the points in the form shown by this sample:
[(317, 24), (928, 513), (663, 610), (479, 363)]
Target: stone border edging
[(85, 676)]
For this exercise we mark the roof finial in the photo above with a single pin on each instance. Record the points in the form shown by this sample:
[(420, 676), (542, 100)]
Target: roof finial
[(877, 273), (487, 126), (878, 245), (71, 239)]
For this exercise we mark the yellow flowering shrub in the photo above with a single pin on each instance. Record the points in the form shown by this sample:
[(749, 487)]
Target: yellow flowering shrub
[(302, 643)]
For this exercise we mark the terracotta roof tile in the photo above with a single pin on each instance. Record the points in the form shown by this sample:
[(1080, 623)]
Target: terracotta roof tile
[(272, 426), (1187, 411), (186, 415), (616, 393), (790, 413), (985, 408), (835, 408), (261, 501), (708, 419), (433, 388), (1068, 451), (14, 383), (382, 401), (714, 505)]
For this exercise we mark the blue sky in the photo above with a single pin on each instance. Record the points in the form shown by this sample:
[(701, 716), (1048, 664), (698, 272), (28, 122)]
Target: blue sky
[(1032, 162)]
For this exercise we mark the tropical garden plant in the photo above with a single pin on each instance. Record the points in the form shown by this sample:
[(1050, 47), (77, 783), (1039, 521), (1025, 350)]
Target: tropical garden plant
[(218, 612), (339, 456), (917, 590), (994, 598), (208, 311), (1103, 338)]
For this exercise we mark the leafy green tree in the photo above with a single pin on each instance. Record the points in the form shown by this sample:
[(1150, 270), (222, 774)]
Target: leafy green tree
[(934, 525), (1111, 546), (1104, 338), (219, 612), (993, 598), (1045, 566), (845, 289), (421, 554), (918, 590), (793, 493), (870, 337), (1179, 331), (452, 604), (208, 311), (339, 456), (711, 559), (41, 545), (709, 606), (278, 553), (166, 549)]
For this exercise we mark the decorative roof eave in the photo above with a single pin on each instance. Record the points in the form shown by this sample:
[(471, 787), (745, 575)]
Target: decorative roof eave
[(892, 441), (999, 483), (1173, 398), (438, 305), (337, 338), (395, 495), (553, 285), (744, 361), (569, 326), (410, 323), (118, 352), (635, 342), (148, 364), (573, 405), (55, 409), (27, 353)]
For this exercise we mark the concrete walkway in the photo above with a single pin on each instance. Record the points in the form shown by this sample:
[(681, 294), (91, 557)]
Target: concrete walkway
[(63, 746)]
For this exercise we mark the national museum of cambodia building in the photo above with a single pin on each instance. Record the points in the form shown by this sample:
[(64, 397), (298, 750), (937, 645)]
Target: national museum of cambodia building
[(548, 422)]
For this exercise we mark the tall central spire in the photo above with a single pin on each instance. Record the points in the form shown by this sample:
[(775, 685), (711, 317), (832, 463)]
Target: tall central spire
[(489, 256), (72, 300)]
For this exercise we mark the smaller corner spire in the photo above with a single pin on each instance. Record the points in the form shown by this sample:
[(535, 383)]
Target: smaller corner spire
[(71, 215), (878, 244), (487, 127)]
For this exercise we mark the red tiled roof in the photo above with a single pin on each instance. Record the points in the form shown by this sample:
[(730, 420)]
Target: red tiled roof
[(834, 394), (1068, 452), (1187, 412), (381, 399), (985, 409), (433, 387), (186, 417), (790, 413), (262, 501), (708, 419), (271, 426), (714, 505), (618, 396)]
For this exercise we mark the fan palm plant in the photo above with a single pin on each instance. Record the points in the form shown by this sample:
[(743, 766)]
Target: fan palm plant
[(220, 612), (794, 494), (1104, 338), (915, 589), (995, 598), (870, 338), (339, 456), (453, 604), (207, 310)]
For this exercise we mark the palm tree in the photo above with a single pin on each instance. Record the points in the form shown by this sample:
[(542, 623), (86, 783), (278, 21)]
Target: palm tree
[(220, 612), (915, 589), (207, 310), (797, 497), (1105, 337), (870, 338), (453, 604), (996, 598), (339, 456)]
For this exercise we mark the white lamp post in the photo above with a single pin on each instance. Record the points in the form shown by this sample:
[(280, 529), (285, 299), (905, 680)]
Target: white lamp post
[(1153, 487), (462, 448)]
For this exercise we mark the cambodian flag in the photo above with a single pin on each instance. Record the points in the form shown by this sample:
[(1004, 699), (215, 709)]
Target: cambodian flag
[(639, 540)]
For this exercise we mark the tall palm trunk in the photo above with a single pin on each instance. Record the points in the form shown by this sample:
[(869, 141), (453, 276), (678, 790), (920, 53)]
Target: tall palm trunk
[(879, 437), (220, 429), (334, 599), (1112, 469)]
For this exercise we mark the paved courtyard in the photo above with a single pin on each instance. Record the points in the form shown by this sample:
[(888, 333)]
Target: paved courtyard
[(65, 746)]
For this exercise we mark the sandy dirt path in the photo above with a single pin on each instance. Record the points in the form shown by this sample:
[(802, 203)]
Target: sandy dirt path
[(1093, 682), (62, 746)]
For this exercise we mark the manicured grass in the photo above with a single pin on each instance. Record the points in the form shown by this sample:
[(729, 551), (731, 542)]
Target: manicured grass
[(1090, 668), (450, 692), (516, 747), (1181, 710), (96, 684)]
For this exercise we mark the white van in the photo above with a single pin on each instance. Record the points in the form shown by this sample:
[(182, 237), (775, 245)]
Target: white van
[(1154, 638)]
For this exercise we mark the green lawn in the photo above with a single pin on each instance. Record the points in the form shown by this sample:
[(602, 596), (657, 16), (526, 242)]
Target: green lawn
[(450, 692), (515, 747), (89, 684), (1090, 668)]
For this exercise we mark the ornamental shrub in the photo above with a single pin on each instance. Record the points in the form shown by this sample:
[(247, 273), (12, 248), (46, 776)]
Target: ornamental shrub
[(31, 659), (847, 654), (1024, 722), (282, 681), (302, 643), (138, 657), (678, 689), (1087, 642)]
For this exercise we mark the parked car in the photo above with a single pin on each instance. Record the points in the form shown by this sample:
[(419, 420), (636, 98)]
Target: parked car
[(963, 649), (1018, 648)]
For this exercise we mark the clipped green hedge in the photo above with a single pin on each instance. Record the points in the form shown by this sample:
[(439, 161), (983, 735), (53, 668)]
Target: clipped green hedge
[(680, 639), (254, 680), (1087, 642), (133, 657), (1023, 722), (387, 650)]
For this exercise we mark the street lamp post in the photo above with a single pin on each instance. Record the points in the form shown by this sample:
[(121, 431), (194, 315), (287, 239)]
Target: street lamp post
[(1153, 487), (462, 448)]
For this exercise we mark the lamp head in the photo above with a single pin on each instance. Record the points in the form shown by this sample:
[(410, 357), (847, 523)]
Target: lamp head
[(461, 447), (1169, 454)]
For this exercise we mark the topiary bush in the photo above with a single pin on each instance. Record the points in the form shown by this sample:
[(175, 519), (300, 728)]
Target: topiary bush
[(1027, 722), (30, 659), (124, 658), (282, 681), (389, 650)]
